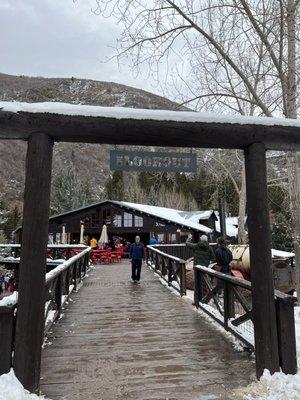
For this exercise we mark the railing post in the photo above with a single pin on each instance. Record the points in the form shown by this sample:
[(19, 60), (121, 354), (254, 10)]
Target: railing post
[(67, 282), (228, 303), (156, 261), (31, 303), (170, 269), (74, 273), (6, 338), (58, 295), (286, 335), (182, 279), (197, 282)]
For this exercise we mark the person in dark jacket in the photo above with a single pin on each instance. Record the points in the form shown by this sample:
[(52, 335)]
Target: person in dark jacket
[(136, 255), (223, 256), (203, 253)]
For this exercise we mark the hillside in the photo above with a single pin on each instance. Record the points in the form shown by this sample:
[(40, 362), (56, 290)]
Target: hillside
[(90, 160)]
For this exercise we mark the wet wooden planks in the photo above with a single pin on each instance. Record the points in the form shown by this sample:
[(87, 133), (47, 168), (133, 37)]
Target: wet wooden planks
[(119, 340)]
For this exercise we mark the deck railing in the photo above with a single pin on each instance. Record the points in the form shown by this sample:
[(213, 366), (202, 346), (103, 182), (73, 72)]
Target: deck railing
[(54, 251), (60, 282), (228, 300), (170, 268)]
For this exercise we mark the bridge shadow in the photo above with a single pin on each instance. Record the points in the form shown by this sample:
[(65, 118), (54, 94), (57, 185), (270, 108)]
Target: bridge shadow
[(119, 340)]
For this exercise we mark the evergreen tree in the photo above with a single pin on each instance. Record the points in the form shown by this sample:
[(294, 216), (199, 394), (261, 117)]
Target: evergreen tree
[(282, 233), (12, 221), (68, 192), (114, 187)]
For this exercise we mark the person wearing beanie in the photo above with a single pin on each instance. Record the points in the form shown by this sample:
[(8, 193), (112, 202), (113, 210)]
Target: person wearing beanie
[(203, 253), (223, 256)]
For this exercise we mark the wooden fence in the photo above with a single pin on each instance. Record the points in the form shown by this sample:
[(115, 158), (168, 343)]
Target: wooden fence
[(228, 300), (59, 283), (54, 251), (170, 268)]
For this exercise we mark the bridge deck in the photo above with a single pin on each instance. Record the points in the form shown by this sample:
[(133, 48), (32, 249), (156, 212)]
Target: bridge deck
[(119, 340)]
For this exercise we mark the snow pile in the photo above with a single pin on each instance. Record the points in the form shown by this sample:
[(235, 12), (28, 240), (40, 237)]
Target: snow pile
[(274, 387), (12, 389), (9, 300), (278, 386)]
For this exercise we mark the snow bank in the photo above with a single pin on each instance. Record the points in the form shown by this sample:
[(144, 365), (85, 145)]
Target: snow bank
[(274, 387), (12, 389), (278, 386)]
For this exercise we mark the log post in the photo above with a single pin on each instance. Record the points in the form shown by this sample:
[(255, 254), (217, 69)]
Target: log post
[(286, 334), (263, 303), (31, 304), (6, 338)]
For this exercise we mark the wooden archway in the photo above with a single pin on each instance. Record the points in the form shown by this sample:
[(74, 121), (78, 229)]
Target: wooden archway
[(42, 124)]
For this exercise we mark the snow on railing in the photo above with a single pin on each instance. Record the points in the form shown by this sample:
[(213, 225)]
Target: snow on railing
[(59, 283)]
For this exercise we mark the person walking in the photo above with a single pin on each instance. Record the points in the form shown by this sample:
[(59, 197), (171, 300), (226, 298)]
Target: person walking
[(223, 256), (136, 256), (203, 253)]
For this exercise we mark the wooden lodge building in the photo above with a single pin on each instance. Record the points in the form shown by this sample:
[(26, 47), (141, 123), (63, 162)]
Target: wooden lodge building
[(126, 220)]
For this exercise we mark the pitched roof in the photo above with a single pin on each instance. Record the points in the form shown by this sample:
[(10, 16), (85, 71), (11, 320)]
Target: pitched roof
[(166, 214)]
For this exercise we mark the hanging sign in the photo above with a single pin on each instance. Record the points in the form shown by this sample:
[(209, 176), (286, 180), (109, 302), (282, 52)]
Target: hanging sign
[(149, 161)]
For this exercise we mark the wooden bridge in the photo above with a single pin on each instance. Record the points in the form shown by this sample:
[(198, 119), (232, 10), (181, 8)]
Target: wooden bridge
[(119, 340), (140, 341)]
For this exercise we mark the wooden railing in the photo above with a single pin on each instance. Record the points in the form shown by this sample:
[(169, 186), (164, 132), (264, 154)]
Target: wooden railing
[(178, 250), (54, 251), (170, 268), (60, 282), (228, 300)]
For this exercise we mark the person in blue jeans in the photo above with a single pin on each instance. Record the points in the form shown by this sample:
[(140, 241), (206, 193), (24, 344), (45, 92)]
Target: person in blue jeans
[(136, 255)]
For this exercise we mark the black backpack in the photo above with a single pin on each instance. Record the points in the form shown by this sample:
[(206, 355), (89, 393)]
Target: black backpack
[(226, 255)]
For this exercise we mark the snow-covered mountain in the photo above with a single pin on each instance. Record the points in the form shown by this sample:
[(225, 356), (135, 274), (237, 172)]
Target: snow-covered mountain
[(90, 160)]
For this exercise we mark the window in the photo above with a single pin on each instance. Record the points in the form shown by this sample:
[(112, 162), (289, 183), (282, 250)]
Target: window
[(95, 220), (118, 220), (107, 216), (160, 238), (138, 221), (172, 238), (127, 219)]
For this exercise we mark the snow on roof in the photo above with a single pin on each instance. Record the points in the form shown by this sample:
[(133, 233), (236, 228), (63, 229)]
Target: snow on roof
[(231, 226), (196, 216), (281, 253), (141, 114), (168, 214)]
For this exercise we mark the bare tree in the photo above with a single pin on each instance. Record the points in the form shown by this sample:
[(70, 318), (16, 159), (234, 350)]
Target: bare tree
[(221, 55)]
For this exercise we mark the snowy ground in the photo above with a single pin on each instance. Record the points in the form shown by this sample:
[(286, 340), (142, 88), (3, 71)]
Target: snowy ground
[(278, 386), (11, 389)]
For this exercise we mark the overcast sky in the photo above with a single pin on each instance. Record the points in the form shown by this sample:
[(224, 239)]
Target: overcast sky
[(60, 38)]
